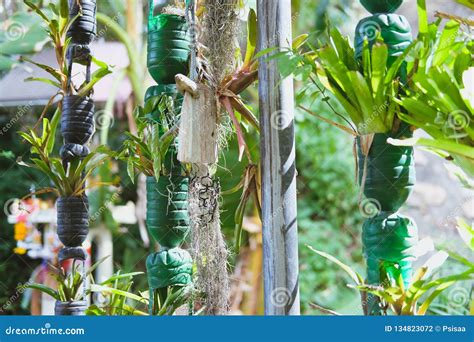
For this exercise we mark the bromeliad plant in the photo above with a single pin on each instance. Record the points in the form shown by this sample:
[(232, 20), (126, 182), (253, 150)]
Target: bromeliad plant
[(116, 296), (364, 87), (366, 91), (394, 295), (438, 99), (69, 284)]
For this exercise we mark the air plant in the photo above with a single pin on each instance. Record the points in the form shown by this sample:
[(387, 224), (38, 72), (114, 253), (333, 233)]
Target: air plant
[(446, 114), (145, 151)]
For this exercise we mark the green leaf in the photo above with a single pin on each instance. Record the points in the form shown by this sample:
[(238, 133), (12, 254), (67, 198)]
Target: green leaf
[(106, 289), (43, 288), (53, 72), (422, 16), (120, 276), (353, 274), (44, 80), (131, 169), (251, 37), (52, 135), (466, 232), (441, 144)]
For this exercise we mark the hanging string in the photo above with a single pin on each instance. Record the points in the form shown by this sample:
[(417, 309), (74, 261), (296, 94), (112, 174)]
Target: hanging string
[(191, 19)]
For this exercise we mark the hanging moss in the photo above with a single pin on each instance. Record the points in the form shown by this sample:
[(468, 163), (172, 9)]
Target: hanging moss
[(389, 172)]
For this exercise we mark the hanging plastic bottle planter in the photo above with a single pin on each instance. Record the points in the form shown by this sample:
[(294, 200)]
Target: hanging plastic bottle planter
[(381, 6), (167, 209), (77, 120), (84, 27), (73, 220), (168, 46), (169, 270), (71, 308), (387, 175), (77, 128)]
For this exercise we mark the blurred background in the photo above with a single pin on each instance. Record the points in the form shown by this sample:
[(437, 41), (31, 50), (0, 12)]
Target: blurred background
[(329, 218)]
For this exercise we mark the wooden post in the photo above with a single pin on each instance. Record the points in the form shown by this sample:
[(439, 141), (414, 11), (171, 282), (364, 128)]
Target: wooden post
[(277, 146)]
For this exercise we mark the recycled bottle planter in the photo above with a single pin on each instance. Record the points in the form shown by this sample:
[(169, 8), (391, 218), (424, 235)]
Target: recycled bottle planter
[(170, 163), (169, 267), (77, 119), (75, 308), (168, 47), (169, 90), (84, 27), (167, 210), (381, 6), (73, 220), (389, 173), (394, 29)]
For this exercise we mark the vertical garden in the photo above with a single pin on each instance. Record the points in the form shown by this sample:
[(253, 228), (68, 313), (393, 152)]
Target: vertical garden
[(155, 161)]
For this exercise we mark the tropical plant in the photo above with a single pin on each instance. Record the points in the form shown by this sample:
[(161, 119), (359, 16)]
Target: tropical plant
[(365, 88), (412, 300), (116, 296), (69, 179), (69, 284), (57, 24), (145, 151), (441, 57)]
